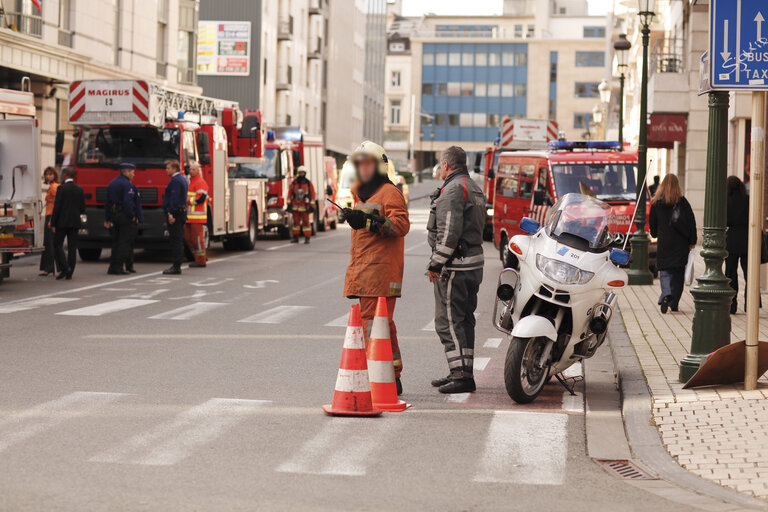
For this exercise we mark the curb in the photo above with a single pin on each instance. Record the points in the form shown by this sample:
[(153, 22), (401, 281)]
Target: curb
[(645, 443)]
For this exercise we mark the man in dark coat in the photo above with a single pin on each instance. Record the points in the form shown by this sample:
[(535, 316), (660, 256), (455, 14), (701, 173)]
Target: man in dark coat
[(65, 223)]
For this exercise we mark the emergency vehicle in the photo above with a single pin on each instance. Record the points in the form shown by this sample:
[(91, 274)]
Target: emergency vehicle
[(142, 123), (514, 135), (528, 183), (22, 212)]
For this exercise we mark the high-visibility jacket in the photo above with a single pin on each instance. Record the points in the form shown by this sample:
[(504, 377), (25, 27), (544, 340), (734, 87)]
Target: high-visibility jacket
[(197, 193), (301, 194)]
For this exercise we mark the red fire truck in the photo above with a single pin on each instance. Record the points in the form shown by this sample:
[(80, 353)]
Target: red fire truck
[(528, 183), (514, 135), (145, 124)]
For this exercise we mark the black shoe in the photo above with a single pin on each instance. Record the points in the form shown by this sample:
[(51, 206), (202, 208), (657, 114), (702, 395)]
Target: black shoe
[(196, 265), (62, 275), (674, 309), (441, 382), (172, 271), (69, 276), (130, 270), (664, 305), (306, 240), (399, 386), (458, 386), (295, 240)]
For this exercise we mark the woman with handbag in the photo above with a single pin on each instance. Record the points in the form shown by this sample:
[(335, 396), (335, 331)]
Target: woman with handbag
[(672, 222), (736, 236)]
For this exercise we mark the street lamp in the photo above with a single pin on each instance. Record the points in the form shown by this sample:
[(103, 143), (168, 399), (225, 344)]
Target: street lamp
[(621, 47), (605, 98), (639, 274), (597, 119)]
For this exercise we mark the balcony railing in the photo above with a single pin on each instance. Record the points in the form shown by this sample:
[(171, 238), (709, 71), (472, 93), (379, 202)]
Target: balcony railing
[(65, 38), (24, 23), (668, 56)]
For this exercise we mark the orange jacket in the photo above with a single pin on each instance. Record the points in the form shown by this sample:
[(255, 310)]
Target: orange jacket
[(197, 213), (301, 195), (376, 260), (50, 198)]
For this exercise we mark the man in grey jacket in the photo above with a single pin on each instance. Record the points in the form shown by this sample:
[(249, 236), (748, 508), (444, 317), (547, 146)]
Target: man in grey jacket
[(455, 227)]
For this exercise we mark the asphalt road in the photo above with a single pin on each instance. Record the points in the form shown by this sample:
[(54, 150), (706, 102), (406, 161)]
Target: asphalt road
[(203, 392)]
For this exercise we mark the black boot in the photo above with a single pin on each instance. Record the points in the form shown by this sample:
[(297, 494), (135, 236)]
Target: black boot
[(458, 386), (441, 381), (172, 271), (306, 239), (665, 305), (295, 240), (399, 386)]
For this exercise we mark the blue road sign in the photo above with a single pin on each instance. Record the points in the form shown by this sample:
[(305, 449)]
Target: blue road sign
[(738, 44)]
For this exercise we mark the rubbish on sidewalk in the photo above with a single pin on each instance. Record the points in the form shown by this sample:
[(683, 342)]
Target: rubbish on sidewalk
[(380, 364), (352, 394), (726, 366)]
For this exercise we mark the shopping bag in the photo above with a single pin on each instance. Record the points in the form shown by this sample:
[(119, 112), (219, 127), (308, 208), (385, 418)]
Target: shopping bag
[(689, 268)]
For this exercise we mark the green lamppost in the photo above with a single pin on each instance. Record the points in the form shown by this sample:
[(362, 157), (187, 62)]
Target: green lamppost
[(621, 47), (638, 268), (712, 294)]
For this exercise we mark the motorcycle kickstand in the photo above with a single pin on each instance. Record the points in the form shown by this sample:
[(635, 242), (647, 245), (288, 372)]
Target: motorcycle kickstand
[(568, 383)]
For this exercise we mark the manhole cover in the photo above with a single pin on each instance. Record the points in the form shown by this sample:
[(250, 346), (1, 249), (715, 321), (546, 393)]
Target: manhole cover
[(625, 469)]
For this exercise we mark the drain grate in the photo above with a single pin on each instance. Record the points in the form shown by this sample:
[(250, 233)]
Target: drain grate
[(626, 469)]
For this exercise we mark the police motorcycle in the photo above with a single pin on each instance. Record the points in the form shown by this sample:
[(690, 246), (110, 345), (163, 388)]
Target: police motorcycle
[(556, 306)]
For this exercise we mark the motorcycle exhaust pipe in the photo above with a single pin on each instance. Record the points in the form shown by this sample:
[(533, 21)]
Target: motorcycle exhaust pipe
[(602, 313)]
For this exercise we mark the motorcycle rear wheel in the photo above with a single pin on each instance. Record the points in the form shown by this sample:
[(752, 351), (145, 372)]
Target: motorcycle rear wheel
[(522, 377)]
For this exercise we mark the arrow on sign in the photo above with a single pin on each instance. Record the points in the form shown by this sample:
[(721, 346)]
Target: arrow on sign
[(725, 53), (759, 20)]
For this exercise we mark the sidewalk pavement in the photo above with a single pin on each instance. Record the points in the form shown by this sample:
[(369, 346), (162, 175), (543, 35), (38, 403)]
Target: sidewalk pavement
[(719, 433)]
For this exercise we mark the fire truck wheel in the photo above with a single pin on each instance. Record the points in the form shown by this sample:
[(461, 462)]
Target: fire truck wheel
[(248, 242), (333, 224), (321, 225), (231, 244), (90, 254)]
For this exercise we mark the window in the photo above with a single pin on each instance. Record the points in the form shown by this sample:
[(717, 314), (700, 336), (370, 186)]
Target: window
[(186, 51), (397, 47), (587, 90), (454, 59), (508, 59), (480, 89), (454, 88), (466, 89), (507, 179), (265, 71), (493, 59), (553, 85), (439, 119), (441, 59), (442, 89), (479, 120), (582, 120), (427, 89), (453, 119), (428, 59), (468, 59), (531, 31), (507, 90), (395, 79), (493, 120), (594, 32), (518, 31), (590, 59), (494, 90), (481, 59), (465, 120), (521, 59), (521, 90), (527, 172), (394, 112)]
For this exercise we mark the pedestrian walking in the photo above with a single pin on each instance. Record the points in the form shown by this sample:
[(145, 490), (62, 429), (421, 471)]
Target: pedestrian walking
[(736, 238), (379, 221), (175, 207), (68, 206), (455, 234), (301, 198), (197, 215), (672, 222), (51, 185), (654, 186), (122, 210), (129, 262)]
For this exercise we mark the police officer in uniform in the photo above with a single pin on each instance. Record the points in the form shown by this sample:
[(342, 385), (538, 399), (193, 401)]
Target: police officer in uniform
[(122, 214), (175, 206), (455, 234), (135, 232)]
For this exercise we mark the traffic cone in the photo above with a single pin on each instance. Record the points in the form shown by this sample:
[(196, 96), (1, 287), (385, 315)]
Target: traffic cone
[(381, 367), (352, 395)]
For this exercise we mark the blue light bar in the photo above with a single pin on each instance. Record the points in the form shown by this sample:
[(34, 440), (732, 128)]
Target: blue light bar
[(570, 145)]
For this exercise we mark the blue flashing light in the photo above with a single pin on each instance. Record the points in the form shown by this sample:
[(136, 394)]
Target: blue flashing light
[(529, 225), (180, 115), (570, 145), (271, 135), (619, 256)]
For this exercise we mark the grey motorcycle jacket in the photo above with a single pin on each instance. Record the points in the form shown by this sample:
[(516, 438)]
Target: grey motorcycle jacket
[(455, 226)]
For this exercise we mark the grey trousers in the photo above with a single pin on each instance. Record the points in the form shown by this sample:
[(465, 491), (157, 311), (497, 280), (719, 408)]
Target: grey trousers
[(455, 304)]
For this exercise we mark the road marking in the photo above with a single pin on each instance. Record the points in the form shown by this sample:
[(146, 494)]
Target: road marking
[(260, 284), (457, 398), (303, 291), (492, 343), (188, 311), (231, 336), (30, 422), (276, 247), (108, 307), (525, 448), (275, 315), (212, 281), (573, 403), (34, 304), (342, 321), (342, 447), (175, 440), (148, 295), (199, 294), (480, 363), (430, 326)]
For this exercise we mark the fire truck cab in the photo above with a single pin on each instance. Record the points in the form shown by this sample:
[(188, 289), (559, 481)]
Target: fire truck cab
[(527, 184)]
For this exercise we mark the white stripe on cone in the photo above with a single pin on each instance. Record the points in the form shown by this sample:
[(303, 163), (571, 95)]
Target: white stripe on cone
[(352, 381), (380, 329), (354, 338), (381, 371)]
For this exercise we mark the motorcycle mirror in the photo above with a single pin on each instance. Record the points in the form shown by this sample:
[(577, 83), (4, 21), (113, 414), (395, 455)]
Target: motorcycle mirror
[(529, 225), (505, 292), (619, 257)]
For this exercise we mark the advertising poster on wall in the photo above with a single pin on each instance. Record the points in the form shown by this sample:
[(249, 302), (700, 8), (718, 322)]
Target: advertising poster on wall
[(223, 48)]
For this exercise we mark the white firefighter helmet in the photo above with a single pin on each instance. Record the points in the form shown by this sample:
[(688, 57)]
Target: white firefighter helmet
[(370, 149), (301, 169)]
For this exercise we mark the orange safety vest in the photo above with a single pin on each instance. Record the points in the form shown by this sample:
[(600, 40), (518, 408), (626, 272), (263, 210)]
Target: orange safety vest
[(197, 213)]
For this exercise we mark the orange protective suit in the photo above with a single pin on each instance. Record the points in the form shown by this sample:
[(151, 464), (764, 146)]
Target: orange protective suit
[(301, 196), (197, 217)]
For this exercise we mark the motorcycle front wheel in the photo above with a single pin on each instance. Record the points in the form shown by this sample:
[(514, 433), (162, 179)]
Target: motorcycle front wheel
[(523, 378)]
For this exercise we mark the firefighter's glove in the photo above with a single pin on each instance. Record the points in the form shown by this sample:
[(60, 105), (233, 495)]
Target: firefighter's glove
[(357, 219), (374, 223), (200, 200)]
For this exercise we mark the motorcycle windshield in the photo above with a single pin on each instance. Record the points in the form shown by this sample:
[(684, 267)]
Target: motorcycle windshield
[(581, 222)]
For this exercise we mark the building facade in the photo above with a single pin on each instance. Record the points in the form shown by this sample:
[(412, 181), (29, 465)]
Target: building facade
[(73, 40), (375, 63)]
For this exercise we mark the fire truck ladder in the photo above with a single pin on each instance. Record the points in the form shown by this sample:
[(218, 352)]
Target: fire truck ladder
[(171, 102)]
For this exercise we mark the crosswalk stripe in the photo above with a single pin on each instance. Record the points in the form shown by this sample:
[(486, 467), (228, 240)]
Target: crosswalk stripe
[(175, 440), (34, 304), (339, 322), (30, 422), (457, 398), (525, 448), (430, 326), (492, 343), (342, 447), (193, 310), (107, 307), (275, 315), (480, 363)]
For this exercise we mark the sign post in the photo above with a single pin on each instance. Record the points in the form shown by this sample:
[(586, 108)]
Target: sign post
[(739, 61)]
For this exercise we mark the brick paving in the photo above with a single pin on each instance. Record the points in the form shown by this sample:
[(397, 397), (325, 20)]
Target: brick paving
[(719, 433)]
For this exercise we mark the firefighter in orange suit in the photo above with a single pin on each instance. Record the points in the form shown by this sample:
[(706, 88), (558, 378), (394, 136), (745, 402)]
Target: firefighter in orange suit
[(380, 222), (301, 197), (197, 215)]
